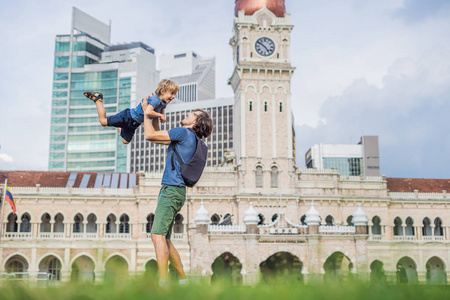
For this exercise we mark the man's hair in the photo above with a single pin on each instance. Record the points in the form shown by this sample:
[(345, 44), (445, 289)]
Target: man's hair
[(166, 85), (203, 125)]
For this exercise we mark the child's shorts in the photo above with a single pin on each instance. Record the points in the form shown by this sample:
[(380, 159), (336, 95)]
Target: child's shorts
[(124, 120)]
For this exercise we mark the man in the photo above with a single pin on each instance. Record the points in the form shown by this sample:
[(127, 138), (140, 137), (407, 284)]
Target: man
[(173, 190)]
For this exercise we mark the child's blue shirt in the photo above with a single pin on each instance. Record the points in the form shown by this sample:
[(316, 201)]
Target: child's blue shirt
[(138, 114)]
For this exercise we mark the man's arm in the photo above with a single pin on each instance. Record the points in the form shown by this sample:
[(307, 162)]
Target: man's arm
[(158, 137), (149, 110)]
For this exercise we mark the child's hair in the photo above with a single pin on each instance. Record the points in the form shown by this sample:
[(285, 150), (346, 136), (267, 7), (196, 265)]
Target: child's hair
[(166, 85)]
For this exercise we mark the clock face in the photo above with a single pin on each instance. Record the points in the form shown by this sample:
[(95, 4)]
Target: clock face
[(265, 46)]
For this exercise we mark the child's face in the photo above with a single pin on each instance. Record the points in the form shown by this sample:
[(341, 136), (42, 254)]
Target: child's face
[(167, 96)]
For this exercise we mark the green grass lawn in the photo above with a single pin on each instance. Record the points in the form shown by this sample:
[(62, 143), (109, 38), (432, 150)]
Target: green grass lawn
[(140, 288)]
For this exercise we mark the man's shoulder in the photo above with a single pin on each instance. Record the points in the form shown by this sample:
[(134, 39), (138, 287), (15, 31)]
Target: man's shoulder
[(179, 133)]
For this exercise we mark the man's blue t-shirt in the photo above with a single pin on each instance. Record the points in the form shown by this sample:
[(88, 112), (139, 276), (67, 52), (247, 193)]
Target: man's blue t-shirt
[(138, 114), (186, 144)]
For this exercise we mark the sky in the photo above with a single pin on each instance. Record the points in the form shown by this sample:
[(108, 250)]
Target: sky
[(362, 68)]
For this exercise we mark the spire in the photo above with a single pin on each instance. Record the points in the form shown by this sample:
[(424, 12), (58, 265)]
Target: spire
[(251, 216), (360, 217), (201, 216), (312, 216), (251, 6)]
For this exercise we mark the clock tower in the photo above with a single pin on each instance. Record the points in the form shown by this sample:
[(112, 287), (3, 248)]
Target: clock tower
[(263, 124)]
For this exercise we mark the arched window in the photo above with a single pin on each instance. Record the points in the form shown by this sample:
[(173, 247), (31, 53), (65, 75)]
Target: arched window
[(274, 217), (409, 229), (259, 177), (45, 223), (398, 230), (178, 225), (124, 226), (426, 229), (25, 226), (376, 227), (438, 231), (91, 225), (274, 177), (350, 220), (12, 223), (261, 219), (329, 221), (265, 106), (78, 223), (111, 224), (54, 268), (149, 225), (227, 220), (59, 225), (215, 219), (250, 106), (302, 220), (281, 107)]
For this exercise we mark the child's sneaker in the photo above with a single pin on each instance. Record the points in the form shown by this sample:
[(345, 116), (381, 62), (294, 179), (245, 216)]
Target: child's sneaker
[(94, 96)]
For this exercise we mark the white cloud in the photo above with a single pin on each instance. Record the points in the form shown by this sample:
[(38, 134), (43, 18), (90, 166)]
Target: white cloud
[(409, 114), (6, 158)]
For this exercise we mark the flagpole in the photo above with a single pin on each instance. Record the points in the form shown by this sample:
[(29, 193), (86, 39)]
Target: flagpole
[(3, 208)]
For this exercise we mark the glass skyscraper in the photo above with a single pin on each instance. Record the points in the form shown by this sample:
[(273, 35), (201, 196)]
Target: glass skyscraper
[(85, 61)]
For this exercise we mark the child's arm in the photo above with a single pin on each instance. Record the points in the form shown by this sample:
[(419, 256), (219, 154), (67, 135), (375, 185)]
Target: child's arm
[(149, 110)]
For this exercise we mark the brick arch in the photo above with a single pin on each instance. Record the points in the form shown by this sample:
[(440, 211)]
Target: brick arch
[(117, 254), (21, 255), (39, 261), (80, 255)]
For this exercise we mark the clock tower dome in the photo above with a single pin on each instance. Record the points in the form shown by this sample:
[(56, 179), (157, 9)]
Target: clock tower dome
[(264, 135)]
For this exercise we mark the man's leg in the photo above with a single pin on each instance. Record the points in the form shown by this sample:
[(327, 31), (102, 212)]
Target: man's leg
[(175, 260), (162, 255)]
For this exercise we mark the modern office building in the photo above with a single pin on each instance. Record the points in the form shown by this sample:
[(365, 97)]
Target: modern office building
[(150, 157), (349, 160), (195, 75), (85, 60)]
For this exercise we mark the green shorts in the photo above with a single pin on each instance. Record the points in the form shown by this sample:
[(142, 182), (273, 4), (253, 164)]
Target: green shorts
[(170, 201)]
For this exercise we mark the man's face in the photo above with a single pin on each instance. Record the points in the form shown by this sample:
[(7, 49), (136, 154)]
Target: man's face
[(191, 118), (168, 96)]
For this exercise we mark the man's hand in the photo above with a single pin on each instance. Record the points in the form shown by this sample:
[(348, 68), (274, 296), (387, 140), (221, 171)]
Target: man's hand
[(144, 102)]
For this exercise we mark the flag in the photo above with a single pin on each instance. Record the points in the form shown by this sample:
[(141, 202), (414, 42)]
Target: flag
[(9, 198)]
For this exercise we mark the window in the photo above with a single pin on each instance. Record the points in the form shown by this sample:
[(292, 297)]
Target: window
[(178, 226), (265, 106), (426, 229), (409, 229), (25, 226), (149, 225), (45, 223), (251, 106), (438, 231), (124, 224), (78, 224), (261, 219), (329, 221), (274, 177), (60, 76), (215, 219), (376, 228), (350, 221), (398, 230), (259, 177), (61, 61), (281, 107)]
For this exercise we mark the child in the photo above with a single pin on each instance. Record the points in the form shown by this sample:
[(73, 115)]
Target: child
[(128, 120)]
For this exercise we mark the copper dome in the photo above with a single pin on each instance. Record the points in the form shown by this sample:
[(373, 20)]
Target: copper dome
[(250, 6)]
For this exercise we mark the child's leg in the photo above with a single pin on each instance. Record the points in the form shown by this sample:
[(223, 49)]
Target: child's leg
[(123, 140), (101, 113)]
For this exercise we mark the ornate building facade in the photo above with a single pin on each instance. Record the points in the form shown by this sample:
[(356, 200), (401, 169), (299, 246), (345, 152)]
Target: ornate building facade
[(256, 218)]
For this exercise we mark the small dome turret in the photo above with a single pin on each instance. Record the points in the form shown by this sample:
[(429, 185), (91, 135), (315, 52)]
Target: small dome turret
[(360, 217), (202, 216), (312, 216), (251, 216)]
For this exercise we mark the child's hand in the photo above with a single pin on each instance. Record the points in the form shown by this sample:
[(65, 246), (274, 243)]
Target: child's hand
[(162, 118)]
